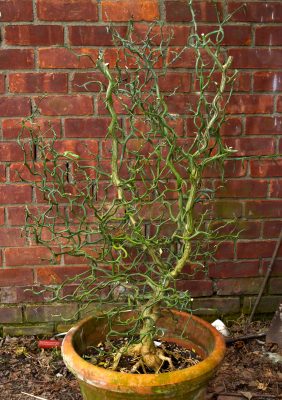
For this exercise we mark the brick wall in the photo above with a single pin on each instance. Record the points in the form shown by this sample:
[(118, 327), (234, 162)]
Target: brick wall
[(33, 61)]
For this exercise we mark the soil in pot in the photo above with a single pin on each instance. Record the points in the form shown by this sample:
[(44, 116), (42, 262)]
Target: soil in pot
[(102, 356)]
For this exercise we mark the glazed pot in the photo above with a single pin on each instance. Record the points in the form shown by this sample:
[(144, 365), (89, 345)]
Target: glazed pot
[(97, 383)]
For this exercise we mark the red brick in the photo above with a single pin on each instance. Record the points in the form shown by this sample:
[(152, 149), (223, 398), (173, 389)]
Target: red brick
[(279, 104), (124, 10), (10, 151), (67, 10), (34, 35), (256, 58), (196, 288), (225, 251), (234, 269), (38, 82), (181, 103), (93, 35), (175, 35), (255, 249), (11, 128), (30, 294), (16, 59), (247, 146), (11, 237), (66, 105), (88, 81), (86, 127), (2, 83), (16, 10), (238, 286), (250, 104), (2, 215), (19, 172), (16, 276), (2, 173), (264, 209), (27, 256), (11, 314), (227, 209), (268, 81), (234, 35), (243, 188), (272, 229), (13, 194), (232, 127), (266, 168), (86, 149), (275, 188), (263, 125), (178, 11), (266, 11), (268, 36), (175, 81), (14, 106), (232, 168), (276, 268), (63, 58), (56, 275)]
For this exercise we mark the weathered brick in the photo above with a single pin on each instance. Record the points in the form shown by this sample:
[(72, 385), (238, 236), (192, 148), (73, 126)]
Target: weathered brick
[(267, 304), (275, 286), (139, 10), (16, 59), (279, 104), (66, 105), (10, 314), (268, 35), (50, 313), (178, 11), (16, 277), (256, 58), (86, 127), (29, 330), (256, 11), (67, 10), (238, 286), (216, 306), (34, 35), (16, 10), (38, 82), (50, 58), (263, 125), (14, 106), (267, 81), (14, 194), (250, 104), (2, 83)]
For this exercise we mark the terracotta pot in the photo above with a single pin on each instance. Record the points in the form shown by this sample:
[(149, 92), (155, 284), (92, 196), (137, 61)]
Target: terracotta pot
[(190, 383)]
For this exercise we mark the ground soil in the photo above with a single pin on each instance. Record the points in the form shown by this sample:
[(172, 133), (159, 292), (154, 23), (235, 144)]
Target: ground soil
[(27, 372)]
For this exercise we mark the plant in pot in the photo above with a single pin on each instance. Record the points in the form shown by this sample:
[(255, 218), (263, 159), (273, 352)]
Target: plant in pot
[(137, 213)]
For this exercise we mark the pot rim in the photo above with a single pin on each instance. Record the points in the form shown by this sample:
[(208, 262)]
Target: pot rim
[(106, 378)]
